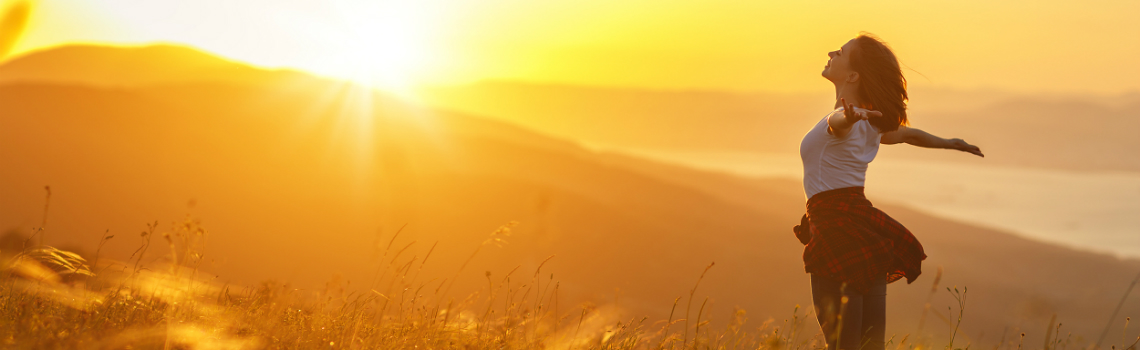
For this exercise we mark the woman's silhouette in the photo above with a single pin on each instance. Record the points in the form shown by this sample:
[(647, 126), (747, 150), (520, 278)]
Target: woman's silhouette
[(852, 250)]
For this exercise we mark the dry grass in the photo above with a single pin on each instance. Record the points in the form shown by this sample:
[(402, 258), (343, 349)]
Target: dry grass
[(52, 299)]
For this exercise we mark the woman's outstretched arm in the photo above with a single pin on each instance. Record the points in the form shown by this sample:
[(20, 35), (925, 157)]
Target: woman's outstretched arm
[(839, 123), (921, 138)]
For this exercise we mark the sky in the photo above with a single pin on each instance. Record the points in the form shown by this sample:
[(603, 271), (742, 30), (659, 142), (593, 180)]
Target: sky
[(1023, 46)]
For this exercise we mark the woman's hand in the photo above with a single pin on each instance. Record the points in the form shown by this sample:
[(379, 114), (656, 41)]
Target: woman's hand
[(961, 145), (839, 126), (854, 114)]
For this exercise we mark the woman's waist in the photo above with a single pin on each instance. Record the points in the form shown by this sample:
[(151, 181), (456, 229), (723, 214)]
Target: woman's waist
[(838, 198), (819, 180)]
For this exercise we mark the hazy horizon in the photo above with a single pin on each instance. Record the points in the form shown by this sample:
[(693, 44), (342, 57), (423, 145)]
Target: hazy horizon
[(769, 163), (673, 44)]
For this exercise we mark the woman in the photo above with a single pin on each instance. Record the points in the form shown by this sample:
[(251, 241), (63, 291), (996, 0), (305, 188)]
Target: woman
[(852, 250)]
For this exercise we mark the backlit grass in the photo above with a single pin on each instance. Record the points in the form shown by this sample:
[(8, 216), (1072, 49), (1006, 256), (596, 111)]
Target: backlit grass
[(53, 299)]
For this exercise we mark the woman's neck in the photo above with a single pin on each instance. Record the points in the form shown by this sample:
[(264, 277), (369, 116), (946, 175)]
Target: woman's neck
[(848, 92)]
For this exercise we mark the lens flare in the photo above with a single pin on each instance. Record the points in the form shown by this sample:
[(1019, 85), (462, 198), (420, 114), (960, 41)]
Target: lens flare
[(12, 24)]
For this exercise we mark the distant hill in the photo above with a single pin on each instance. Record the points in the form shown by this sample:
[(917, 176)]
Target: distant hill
[(300, 182), (134, 66), (1049, 131), (643, 119)]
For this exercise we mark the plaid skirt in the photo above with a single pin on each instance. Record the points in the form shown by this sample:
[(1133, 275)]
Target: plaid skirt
[(849, 240)]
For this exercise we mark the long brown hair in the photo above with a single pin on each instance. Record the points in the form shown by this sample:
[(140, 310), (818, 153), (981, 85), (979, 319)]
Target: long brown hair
[(882, 86)]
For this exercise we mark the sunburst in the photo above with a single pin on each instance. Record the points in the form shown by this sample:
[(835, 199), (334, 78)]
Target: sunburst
[(383, 45)]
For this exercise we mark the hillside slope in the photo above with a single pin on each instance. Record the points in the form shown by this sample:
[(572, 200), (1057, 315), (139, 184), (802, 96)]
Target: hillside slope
[(300, 182), (1057, 132)]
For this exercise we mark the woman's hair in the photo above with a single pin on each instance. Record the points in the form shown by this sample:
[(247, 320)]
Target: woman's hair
[(882, 86)]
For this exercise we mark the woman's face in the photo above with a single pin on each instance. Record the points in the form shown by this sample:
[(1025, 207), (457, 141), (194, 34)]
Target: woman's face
[(838, 68)]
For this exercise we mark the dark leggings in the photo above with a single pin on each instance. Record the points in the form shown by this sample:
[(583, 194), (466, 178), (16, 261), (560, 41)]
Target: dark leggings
[(864, 315)]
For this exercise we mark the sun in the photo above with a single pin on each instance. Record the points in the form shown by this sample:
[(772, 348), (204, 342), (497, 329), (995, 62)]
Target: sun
[(383, 45)]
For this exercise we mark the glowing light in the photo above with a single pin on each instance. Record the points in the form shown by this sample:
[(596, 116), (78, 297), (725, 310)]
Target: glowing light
[(377, 44)]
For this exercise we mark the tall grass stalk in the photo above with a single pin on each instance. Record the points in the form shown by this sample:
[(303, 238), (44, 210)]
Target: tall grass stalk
[(688, 308)]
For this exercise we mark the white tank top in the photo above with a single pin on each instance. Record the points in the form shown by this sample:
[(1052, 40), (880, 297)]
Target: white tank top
[(831, 162)]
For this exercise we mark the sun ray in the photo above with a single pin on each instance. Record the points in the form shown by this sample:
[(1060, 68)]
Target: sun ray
[(382, 45)]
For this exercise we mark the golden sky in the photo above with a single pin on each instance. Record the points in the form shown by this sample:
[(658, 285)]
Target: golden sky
[(1029, 46)]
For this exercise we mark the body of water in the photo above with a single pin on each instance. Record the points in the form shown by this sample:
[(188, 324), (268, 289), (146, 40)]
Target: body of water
[(1095, 211)]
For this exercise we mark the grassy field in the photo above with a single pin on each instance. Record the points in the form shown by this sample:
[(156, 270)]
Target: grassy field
[(54, 299)]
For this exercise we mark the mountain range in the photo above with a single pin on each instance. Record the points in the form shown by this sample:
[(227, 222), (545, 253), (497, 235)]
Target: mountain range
[(305, 180), (1069, 132)]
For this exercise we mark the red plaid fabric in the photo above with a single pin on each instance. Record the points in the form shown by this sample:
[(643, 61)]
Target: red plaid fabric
[(849, 240)]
